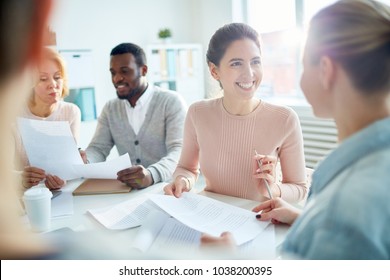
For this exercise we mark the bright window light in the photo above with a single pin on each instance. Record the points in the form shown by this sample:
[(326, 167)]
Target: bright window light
[(269, 16)]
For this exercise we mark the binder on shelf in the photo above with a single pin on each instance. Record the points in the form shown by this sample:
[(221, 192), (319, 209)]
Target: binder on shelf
[(190, 63), (183, 62), (196, 63), (154, 62), (178, 67), (171, 63), (163, 64)]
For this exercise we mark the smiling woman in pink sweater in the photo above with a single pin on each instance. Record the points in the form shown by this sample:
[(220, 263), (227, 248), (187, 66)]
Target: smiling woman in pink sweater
[(221, 134)]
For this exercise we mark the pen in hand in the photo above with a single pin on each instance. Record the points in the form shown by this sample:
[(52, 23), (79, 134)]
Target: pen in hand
[(265, 181)]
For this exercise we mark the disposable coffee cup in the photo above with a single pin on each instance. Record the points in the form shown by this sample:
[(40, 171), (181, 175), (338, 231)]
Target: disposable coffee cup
[(37, 202)]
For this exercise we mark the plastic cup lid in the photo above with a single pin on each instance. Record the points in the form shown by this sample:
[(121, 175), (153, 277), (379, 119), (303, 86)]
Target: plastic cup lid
[(37, 193)]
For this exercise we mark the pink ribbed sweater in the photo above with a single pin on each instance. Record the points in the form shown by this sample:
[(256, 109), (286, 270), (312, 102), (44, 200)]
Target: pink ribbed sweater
[(222, 145)]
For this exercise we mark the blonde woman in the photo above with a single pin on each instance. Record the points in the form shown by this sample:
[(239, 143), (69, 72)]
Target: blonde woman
[(346, 77), (46, 103)]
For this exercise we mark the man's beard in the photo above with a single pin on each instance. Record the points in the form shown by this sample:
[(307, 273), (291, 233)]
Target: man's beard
[(129, 95), (133, 92)]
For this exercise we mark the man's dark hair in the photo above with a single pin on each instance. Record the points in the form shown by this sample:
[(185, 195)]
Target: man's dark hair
[(136, 51)]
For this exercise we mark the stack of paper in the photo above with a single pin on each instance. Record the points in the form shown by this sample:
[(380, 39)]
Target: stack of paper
[(169, 221)]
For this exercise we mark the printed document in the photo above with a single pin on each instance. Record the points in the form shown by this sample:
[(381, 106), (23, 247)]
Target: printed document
[(103, 170), (128, 214), (51, 146), (167, 223), (211, 216), (162, 233)]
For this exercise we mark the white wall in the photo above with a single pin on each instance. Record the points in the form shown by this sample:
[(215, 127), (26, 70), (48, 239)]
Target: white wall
[(99, 25), (212, 15)]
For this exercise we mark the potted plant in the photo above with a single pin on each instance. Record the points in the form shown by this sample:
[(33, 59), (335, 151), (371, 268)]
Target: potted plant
[(164, 34)]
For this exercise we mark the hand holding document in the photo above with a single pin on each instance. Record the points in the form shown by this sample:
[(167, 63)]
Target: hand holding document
[(50, 145), (161, 233)]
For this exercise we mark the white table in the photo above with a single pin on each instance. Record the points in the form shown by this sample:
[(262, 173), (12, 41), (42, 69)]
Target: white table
[(81, 220)]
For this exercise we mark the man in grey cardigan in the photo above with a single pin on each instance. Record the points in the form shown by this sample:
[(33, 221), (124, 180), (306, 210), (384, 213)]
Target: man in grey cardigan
[(145, 121)]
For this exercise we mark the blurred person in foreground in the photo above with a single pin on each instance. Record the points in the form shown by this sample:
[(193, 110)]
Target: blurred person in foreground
[(22, 26), (21, 35), (345, 77)]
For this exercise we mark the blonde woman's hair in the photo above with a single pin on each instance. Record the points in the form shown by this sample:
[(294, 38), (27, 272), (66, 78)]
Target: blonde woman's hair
[(53, 55), (356, 34)]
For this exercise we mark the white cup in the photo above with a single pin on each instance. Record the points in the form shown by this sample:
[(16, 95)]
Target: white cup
[(37, 202)]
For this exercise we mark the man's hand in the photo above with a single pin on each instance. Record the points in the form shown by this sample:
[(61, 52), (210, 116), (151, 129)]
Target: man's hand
[(83, 155), (137, 177), (53, 182)]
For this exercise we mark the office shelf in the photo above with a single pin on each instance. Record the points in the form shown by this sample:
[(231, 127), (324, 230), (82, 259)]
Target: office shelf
[(177, 67)]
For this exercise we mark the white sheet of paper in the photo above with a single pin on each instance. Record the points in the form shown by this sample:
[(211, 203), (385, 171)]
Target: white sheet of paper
[(161, 233), (62, 205), (175, 236), (50, 145), (211, 216), (103, 170), (150, 229), (128, 214), (263, 246)]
